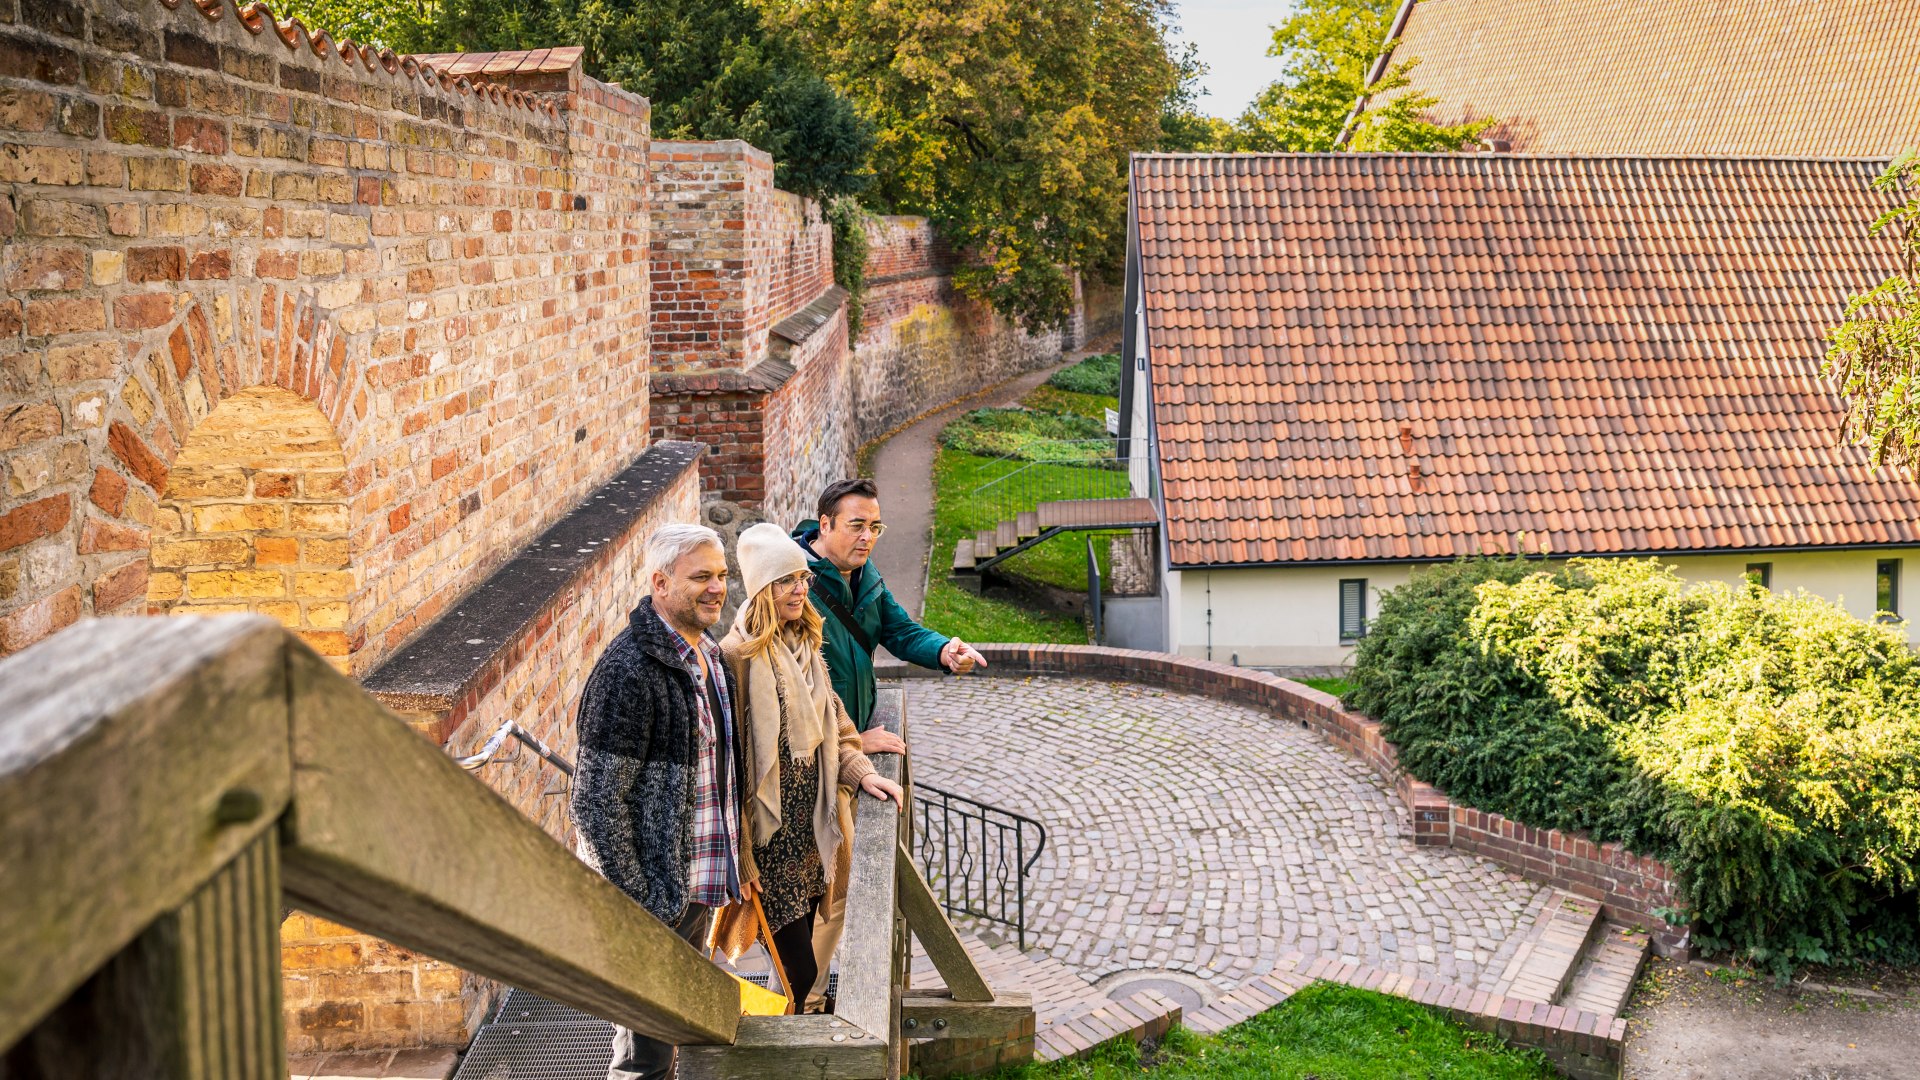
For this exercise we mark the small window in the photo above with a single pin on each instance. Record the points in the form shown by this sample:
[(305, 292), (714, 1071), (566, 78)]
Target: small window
[(1886, 588), (1761, 574), (1353, 609)]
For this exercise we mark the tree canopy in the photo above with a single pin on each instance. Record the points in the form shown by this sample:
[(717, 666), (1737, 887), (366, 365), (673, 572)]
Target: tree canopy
[(1874, 354), (1008, 123), (1327, 49)]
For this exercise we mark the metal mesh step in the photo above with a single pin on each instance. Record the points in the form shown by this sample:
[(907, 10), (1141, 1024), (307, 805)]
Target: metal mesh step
[(521, 1051)]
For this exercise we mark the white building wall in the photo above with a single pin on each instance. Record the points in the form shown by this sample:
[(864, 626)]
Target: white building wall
[(1290, 616)]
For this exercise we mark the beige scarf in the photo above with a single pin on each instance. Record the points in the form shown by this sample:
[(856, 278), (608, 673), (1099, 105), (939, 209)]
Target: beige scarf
[(809, 719)]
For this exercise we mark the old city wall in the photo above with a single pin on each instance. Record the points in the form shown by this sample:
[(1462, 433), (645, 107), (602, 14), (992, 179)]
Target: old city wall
[(751, 355), (292, 328)]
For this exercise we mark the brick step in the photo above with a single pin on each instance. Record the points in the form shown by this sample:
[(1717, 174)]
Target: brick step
[(1246, 1001), (1071, 1015), (1605, 977), (1543, 965)]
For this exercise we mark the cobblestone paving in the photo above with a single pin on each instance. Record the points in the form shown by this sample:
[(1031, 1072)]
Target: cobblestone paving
[(1190, 835)]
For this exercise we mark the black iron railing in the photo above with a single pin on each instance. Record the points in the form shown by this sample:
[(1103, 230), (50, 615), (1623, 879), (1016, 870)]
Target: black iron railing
[(977, 857)]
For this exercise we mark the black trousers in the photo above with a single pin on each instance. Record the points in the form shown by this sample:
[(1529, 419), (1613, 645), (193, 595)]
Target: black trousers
[(636, 1057), (794, 945)]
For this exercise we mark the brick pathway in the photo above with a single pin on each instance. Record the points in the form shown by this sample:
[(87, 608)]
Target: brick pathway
[(1192, 836)]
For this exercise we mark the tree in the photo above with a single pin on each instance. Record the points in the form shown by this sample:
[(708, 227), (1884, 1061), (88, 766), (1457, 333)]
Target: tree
[(1874, 354), (1327, 50), (1008, 123), (710, 68), (1184, 129)]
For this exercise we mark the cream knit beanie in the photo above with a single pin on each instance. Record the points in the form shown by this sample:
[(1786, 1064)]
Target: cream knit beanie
[(766, 555)]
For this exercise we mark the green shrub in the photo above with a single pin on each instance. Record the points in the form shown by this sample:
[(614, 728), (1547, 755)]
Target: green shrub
[(1025, 433), (1097, 374), (1765, 746)]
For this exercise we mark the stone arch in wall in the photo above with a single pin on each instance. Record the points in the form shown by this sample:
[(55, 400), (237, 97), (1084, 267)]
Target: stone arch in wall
[(253, 517)]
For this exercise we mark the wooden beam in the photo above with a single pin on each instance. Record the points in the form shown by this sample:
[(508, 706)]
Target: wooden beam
[(780, 1047), (194, 997), (137, 758), (390, 837), (866, 952), (928, 1015), (930, 925)]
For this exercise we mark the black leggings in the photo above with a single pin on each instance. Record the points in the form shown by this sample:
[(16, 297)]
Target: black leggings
[(794, 943)]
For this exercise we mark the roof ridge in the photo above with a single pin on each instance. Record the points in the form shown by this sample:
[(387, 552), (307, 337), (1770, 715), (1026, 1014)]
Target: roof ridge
[(1514, 155), (255, 17)]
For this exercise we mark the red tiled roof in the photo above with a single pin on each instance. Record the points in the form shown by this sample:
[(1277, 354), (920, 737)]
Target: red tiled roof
[(1820, 78), (481, 65), (1387, 356)]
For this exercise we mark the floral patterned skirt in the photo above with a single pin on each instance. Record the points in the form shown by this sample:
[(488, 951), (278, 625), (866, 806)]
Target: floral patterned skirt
[(790, 872)]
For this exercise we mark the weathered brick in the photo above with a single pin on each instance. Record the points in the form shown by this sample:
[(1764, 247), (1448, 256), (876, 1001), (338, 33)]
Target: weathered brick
[(156, 174), (235, 584), (199, 136), (35, 520), (97, 536), (215, 180), (39, 620), (38, 61), (64, 315), (134, 453), (45, 268), (54, 17), (109, 491), (25, 110), (239, 517), (211, 265), (51, 165), (146, 264), (192, 50), (9, 579), (119, 587), (80, 118), (142, 311), (68, 364), (138, 127), (56, 217)]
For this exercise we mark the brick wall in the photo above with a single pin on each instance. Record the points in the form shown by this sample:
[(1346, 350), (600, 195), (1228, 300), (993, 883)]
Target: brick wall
[(1629, 887), (190, 207), (731, 255), (922, 344)]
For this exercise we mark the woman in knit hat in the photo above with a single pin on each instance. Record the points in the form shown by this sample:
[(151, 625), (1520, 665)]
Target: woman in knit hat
[(800, 741)]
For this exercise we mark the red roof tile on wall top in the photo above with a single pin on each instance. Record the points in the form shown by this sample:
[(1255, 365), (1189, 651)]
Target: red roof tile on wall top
[(1826, 78), (1377, 356)]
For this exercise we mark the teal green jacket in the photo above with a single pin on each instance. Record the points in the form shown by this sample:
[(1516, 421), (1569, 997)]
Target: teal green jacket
[(879, 615)]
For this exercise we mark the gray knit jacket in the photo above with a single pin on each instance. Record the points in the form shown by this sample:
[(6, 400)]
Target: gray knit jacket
[(633, 786)]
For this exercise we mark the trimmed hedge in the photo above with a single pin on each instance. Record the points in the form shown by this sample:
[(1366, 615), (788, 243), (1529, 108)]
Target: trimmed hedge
[(1026, 433), (1097, 374), (1765, 746)]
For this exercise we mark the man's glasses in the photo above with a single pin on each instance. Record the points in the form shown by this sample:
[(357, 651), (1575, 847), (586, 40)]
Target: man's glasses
[(859, 526), (799, 582)]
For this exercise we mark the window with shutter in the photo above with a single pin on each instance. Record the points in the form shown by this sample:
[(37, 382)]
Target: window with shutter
[(1353, 609)]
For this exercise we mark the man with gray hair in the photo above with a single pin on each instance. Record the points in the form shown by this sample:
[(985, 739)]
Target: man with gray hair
[(657, 794)]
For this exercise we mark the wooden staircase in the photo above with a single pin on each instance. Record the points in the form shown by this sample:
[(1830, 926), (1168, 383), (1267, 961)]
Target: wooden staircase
[(1013, 535)]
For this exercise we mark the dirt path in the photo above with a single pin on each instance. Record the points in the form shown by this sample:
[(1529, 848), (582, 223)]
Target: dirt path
[(1687, 1024)]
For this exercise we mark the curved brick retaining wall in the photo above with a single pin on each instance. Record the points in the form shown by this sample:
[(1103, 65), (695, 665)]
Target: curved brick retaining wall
[(1630, 888)]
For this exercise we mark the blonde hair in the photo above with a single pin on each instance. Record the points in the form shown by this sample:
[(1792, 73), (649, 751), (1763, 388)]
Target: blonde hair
[(763, 623)]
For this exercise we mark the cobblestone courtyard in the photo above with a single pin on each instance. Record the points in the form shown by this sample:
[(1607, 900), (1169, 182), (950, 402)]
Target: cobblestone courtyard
[(1205, 840)]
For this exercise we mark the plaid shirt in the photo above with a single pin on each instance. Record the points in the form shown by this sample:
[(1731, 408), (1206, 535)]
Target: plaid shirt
[(713, 878)]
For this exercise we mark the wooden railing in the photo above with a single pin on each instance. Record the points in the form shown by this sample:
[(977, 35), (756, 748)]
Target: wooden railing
[(167, 785)]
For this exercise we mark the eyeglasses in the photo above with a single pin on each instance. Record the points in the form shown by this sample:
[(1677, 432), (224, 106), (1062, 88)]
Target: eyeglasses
[(859, 526), (799, 582)]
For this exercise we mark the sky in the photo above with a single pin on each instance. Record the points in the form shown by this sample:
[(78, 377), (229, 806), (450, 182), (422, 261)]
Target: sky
[(1233, 36)]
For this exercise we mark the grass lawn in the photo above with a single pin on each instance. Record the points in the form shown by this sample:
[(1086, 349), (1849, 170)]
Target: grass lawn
[(1336, 687), (1053, 399), (1061, 561), (1325, 1031)]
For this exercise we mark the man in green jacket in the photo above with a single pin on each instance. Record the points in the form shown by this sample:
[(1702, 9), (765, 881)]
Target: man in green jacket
[(859, 610)]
